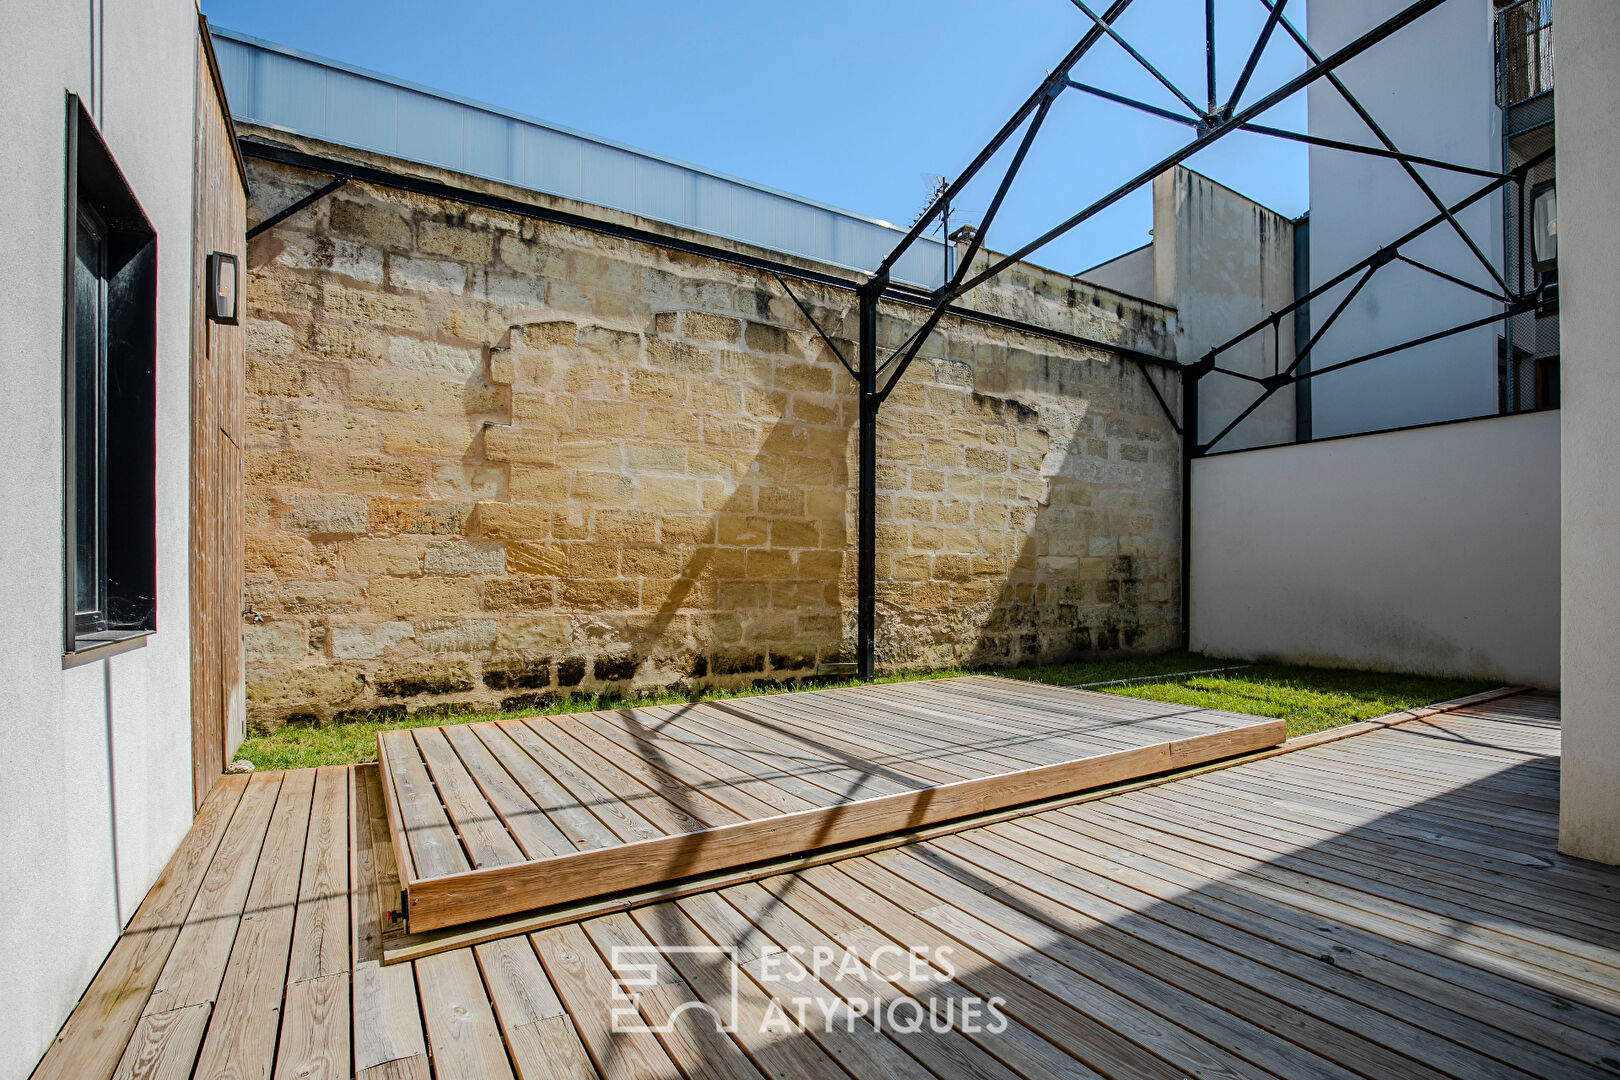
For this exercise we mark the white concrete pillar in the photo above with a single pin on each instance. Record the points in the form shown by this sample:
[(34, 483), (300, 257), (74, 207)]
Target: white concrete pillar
[(1586, 45)]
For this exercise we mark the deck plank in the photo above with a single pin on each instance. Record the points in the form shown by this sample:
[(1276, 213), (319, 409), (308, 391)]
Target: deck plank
[(583, 829), (194, 969), (619, 815), (774, 756), (462, 1034), (164, 1045), (946, 1054), (672, 807), (1035, 871), (721, 986), (534, 832), (664, 769), (969, 747), (241, 1040), (688, 763), (1482, 946), (585, 985), (476, 822), (1370, 934), (846, 769), (689, 1035), (430, 846), (386, 1022), (93, 1039), (315, 1030), (321, 930), (911, 749), (1365, 849), (1109, 1035)]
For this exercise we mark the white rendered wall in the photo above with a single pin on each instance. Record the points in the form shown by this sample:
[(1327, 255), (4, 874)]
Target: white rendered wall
[(1586, 40), (1431, 88), (95, 759), (1225, 262), (1432, 550), (1130, 273)]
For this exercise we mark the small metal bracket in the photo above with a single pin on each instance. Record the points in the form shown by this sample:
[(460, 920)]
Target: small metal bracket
[(282, 215), (1214, 121)]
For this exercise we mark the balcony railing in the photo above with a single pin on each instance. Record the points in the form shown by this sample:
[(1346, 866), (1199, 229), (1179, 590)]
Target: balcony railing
[(1524, 51)]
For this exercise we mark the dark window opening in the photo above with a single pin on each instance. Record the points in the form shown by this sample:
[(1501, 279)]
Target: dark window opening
[(1548, 383), (109, 419)]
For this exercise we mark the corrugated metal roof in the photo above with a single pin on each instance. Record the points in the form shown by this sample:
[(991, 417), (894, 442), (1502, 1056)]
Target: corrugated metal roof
[(284, 88)]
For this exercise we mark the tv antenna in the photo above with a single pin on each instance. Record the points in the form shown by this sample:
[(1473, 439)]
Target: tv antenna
[(937, 186)]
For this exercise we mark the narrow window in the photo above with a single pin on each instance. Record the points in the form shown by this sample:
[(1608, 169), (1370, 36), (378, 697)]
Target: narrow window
[(109, 360), (90, 428)]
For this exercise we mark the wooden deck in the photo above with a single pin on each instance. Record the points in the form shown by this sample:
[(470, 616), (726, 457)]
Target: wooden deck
[(1389, 905), (495, 818)]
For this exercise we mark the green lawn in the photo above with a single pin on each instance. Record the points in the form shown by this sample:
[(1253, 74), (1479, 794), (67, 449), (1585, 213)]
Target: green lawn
[(1310, 699)]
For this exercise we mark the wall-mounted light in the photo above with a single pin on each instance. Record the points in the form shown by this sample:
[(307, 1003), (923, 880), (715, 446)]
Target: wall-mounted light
[(222, 288), (1544, 226)]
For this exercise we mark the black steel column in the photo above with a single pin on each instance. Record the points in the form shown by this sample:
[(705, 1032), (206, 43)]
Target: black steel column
[(1189, 450), (866, 494)]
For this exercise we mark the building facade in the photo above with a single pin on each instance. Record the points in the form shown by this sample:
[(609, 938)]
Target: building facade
[(120, 182)]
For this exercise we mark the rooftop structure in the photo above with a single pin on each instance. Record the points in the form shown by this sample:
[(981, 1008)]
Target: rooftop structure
[(284, 88)]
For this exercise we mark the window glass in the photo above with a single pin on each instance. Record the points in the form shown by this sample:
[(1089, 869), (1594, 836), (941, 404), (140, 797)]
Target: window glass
[(90, 363)]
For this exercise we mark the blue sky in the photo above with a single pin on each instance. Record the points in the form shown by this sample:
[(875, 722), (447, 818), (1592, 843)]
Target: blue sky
[(843, 101)]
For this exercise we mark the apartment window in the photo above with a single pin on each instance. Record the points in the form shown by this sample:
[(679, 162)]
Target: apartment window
[(108, 394)]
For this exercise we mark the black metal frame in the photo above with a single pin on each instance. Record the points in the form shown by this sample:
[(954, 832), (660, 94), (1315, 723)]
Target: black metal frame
[(1212, 121), (123, 460), (1209, 122)]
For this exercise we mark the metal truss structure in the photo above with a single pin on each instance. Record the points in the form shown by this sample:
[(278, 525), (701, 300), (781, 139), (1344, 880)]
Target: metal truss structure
[(1207, 122)]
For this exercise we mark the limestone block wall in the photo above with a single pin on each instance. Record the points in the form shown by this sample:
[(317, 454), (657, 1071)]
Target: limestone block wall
[(492, 460)]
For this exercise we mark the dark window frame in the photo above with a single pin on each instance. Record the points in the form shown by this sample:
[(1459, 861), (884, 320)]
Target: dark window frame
[(108, 399)]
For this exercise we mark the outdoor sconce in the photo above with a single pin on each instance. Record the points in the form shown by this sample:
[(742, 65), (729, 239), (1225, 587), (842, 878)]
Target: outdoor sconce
[(1544, 227), (222, 288)]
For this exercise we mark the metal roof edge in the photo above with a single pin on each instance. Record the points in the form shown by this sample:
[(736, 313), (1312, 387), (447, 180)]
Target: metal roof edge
[(525, 118)]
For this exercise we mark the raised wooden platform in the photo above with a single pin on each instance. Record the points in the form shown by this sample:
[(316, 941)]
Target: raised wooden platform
[(492, 819), (1179, 930)]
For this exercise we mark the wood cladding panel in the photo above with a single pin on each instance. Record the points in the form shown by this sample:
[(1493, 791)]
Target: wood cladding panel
[(218, 359)]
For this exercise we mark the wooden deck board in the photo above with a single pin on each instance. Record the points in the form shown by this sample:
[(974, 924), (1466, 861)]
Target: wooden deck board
[(655, 795), (247, 1015), (1168, 931)]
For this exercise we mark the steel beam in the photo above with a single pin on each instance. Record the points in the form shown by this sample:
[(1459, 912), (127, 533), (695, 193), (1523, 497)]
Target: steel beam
[(1378, 132), (1058, 74), (1189, 443), (1324, 67), (866, 493)]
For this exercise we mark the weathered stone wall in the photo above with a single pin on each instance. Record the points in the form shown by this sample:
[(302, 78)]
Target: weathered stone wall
[(490, 460)]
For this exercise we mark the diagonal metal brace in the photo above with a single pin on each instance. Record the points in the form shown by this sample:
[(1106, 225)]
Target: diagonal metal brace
[(282, 215), (831, 344)]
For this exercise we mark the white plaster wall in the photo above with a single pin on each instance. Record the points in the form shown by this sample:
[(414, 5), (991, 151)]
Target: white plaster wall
[(1430, 550), (1130, 273), (1225, 262), (95, 759), (1431, 87), (1586, 43)]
